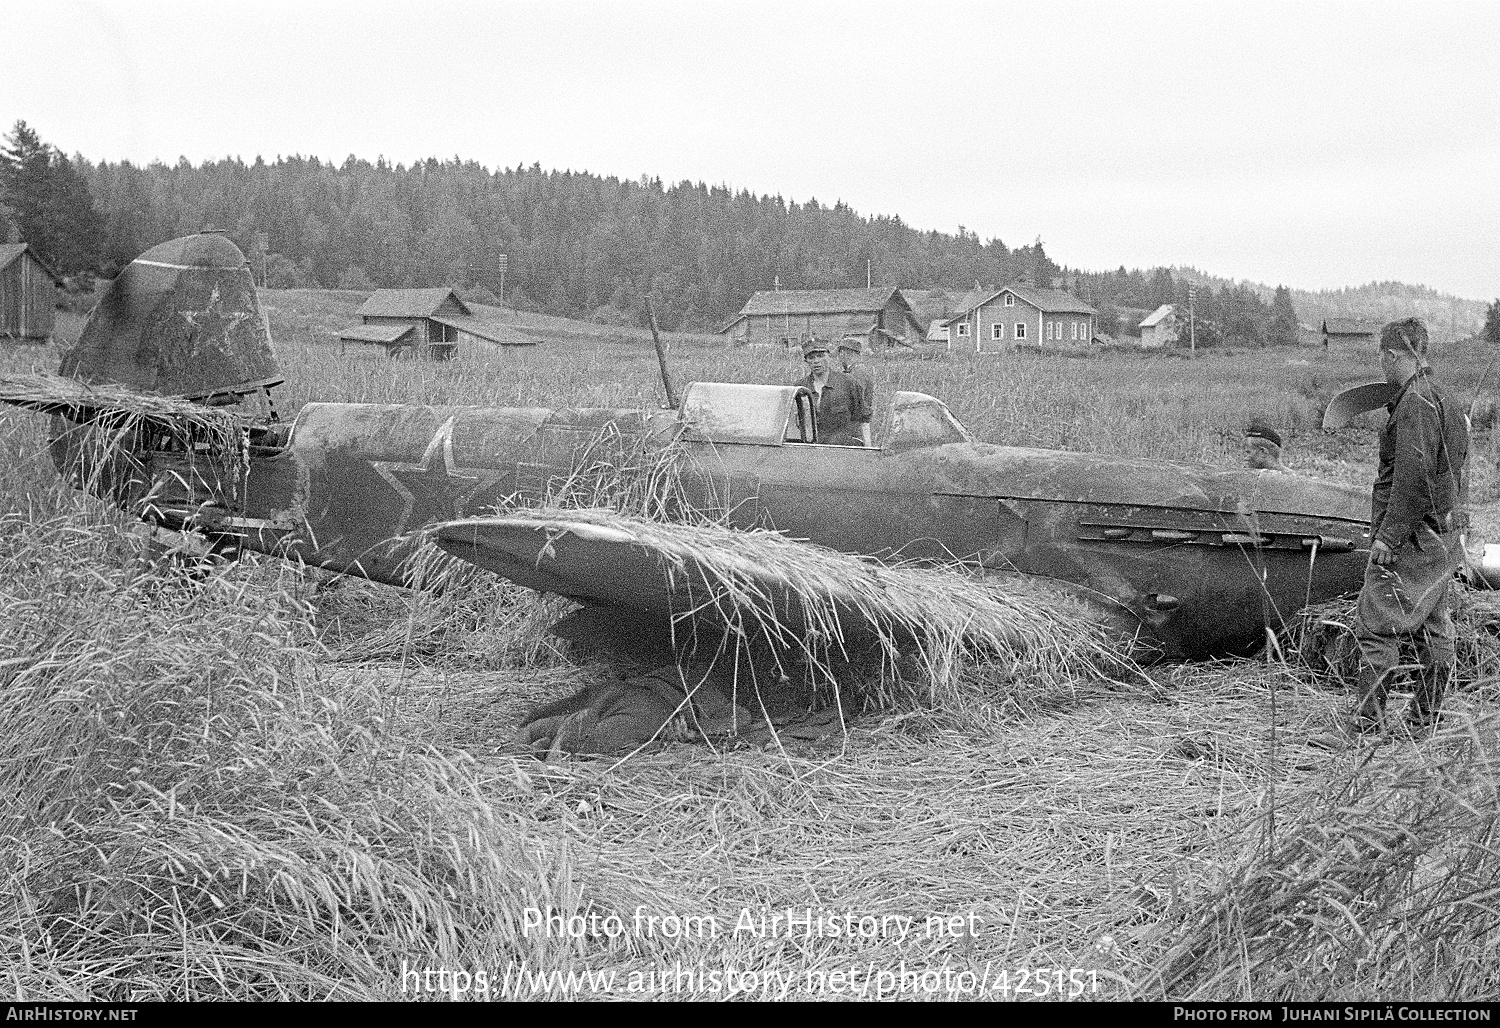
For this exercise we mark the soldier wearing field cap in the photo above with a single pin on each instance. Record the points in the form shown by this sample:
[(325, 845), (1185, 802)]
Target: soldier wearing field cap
[(1263, 446), (1417, 513), (850, 347), (843, 420)]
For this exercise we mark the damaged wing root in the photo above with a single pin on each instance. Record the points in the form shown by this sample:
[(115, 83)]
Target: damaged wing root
[(759, 617)]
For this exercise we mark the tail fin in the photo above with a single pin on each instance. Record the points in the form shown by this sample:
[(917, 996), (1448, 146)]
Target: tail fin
[(151, 406), (181, 320)]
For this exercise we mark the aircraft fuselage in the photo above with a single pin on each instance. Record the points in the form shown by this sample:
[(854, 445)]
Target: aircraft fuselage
[(1202, 558)]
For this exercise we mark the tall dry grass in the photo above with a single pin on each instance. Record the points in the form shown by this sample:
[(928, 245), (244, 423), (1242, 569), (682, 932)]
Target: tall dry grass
[(1381, 882), (197, 804), (241, 786)]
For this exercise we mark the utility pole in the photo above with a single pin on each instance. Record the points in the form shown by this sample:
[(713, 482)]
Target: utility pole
[(1192, 323), (867, 273), (262, 244), (504, 260)]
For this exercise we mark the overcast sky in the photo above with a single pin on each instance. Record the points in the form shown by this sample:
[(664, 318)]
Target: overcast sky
[(1313, 144)]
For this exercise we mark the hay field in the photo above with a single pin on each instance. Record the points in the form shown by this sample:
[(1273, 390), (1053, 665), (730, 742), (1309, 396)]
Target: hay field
[(263, 785)]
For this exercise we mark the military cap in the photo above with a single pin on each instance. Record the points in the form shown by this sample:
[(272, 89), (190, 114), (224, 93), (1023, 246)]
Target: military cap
[(1260, 430), (855, 343), (812, 346)]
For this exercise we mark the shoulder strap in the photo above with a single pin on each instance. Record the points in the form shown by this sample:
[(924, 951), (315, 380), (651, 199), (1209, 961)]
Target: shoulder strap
[(1454, 474)]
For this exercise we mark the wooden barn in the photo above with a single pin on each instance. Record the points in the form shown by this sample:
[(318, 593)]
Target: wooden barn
[(786, 317), (425, 324), (1349, 333), (28, 294)]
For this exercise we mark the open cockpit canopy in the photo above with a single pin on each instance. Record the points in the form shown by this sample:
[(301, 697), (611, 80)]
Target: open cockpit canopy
[(769, 415)]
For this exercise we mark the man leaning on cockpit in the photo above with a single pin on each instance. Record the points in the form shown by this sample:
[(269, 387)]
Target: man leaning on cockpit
[(843, 407)]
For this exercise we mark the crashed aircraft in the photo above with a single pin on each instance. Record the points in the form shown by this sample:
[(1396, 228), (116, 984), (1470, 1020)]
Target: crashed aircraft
[(1197, 561)]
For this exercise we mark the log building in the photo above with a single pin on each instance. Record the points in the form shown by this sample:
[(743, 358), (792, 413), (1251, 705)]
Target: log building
[(28, 294), (422, 323), (1349, 333), (788, 317)]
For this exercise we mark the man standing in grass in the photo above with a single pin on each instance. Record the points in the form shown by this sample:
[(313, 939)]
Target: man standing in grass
[(843, 419), (1416, 516), (850, 347)]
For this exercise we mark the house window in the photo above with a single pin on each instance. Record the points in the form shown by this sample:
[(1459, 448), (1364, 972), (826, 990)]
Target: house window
[(1020, 330), (1049, 331), (963, 329), (1074, 334), (1010, 301), (997, 331)]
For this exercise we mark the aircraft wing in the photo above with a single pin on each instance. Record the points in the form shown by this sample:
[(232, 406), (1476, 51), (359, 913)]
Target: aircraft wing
[(580, 559), (792, 589), (77, 401)]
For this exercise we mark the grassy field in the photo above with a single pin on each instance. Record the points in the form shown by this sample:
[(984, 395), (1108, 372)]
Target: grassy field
[(258, 785)]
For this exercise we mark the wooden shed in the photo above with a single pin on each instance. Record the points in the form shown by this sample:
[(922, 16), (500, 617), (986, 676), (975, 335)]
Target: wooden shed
[(1161, 327), (28, 294), (1349, 332), (423, 323)]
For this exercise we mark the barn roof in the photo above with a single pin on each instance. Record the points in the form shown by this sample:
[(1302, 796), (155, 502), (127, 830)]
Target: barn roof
[(817, 301), (386, 334), (408, 303), (1048, 301), (1158, 315), (11, 251), (1347, 327), (491, 331)]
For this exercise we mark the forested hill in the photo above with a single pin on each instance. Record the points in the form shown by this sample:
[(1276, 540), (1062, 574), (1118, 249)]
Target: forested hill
[(1376, 302), (585, 246), (578, 244)]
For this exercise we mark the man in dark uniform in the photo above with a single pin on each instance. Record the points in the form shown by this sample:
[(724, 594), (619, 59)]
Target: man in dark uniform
[(1263, 446), (850, 347), (1417, 510), (843, 419)]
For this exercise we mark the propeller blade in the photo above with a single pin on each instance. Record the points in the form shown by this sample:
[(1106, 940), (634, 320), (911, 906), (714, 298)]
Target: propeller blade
[(1356, 400)]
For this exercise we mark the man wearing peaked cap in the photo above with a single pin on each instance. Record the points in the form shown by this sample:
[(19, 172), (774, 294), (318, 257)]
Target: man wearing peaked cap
[(1263, 446), (1417, 515), (842, 418), (850, 347)]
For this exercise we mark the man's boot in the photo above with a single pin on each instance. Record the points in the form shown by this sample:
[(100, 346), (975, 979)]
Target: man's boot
[(1368, 715), (1425, 709), (1365, 717)]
